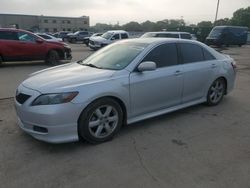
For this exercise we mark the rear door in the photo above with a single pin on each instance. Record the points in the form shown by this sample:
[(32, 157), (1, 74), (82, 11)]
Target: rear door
[(199, 67), (9, 48), (155, 90)]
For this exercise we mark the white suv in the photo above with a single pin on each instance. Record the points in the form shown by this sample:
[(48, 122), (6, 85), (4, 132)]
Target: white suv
[(168, 34), (107, 38)]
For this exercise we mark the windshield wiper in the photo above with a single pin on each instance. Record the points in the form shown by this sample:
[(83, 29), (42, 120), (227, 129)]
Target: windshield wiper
[(92, 65)]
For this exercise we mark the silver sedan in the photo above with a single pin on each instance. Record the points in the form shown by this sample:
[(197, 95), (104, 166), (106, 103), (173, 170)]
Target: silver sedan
[(125, 82)]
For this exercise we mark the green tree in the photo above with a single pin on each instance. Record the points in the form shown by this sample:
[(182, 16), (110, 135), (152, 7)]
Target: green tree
[(225, 21), (148, 26), (132, 26), (205, 24), (241, 17)]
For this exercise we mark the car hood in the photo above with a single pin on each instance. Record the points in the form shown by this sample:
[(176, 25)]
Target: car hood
[(65, 78), (98, 39)]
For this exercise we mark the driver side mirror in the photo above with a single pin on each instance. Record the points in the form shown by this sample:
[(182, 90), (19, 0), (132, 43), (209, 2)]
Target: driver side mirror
[(147, 66), (38, 40)]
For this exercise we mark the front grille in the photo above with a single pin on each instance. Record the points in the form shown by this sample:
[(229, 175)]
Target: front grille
[(21, 98)]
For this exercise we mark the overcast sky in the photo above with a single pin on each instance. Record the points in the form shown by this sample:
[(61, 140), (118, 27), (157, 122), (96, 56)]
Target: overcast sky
[(123, 11)]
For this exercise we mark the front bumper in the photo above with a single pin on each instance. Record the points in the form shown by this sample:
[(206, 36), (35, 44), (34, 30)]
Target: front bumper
[(67, 54), (49, 123)]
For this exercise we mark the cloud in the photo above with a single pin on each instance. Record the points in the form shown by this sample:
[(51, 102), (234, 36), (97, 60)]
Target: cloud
[(111, 11)]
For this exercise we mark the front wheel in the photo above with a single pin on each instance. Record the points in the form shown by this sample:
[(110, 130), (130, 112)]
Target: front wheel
[(53, 58), (1, 60), (100, 121), (216, 92)]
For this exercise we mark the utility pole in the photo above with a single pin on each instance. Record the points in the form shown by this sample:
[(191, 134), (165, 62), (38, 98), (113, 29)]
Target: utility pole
[(217, 9)]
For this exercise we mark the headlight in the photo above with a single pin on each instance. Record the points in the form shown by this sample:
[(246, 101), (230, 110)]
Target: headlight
[(55, 98), (66, 45)]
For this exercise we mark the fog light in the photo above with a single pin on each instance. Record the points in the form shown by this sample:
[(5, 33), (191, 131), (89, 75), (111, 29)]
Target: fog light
[(40, 129)]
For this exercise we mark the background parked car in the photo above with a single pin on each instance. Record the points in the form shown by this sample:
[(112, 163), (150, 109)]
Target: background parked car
[(49, 37), (21, 45), (166, 34), (78, 36), (107, 38), (62, 35), (227, 35), (86, 39)]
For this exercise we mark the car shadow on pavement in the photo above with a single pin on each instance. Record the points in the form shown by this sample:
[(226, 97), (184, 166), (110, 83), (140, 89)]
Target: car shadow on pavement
[(23, 63)]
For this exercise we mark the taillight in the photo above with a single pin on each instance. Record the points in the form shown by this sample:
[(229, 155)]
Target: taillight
[(233, 63)]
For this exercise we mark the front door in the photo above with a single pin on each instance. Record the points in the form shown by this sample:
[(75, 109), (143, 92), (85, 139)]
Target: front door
[(155, 90)]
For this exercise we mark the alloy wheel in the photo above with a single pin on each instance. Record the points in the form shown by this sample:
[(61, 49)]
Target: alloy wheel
[(103, 121)]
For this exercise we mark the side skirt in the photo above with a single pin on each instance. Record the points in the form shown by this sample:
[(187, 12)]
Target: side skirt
[(164, 111)]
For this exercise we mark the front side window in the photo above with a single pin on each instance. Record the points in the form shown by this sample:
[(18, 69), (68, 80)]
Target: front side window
[(116, 37), (207, 55), (22, 36), (163, 55), (191, 53), (8, 35)]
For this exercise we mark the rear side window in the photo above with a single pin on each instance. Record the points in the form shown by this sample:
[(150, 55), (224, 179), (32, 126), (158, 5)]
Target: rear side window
[(185, 36), (191, 53), (124, 35), (8, 35), (83, 33), (163, 55), (207, 55), (167, 35)]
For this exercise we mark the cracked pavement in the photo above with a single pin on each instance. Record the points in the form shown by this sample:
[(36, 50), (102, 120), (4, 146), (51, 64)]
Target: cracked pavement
[(195, 147)]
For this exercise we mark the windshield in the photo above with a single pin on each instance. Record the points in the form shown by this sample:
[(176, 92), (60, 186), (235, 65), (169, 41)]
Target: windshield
[(76, 33), (116, 56), (216, 32), (107, 35)]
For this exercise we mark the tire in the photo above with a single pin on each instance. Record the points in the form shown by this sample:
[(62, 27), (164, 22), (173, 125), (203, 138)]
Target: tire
[(1, 60), (73, 40), (53, 58), (100, 121), (216, 92)]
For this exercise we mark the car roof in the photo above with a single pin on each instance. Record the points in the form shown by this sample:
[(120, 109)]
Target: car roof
[(169, 32), (13, 29), (117, 31), (156, 40)]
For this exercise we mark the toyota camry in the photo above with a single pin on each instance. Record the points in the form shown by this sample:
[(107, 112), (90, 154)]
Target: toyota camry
[(123, 83)]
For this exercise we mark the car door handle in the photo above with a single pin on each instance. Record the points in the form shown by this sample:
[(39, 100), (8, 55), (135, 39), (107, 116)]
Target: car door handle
[(177, 73)]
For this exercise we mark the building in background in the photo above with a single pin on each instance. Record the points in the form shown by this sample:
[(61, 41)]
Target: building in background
[(42, 23)]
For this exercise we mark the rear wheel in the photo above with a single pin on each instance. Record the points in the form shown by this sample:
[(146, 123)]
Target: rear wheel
[(100, 121), (73, 40), (216, 92), (53, 58)]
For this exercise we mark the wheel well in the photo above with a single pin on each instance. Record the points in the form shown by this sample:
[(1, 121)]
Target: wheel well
[(60, 53), (119, 101), (225, 80)]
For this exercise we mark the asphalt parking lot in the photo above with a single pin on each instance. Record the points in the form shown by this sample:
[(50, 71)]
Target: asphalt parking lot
[(196, 147)]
